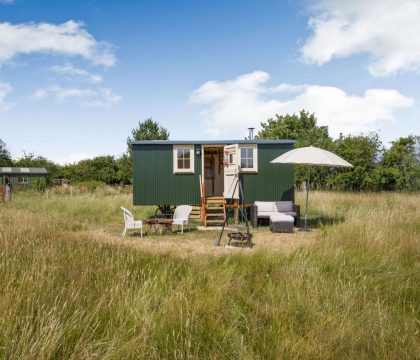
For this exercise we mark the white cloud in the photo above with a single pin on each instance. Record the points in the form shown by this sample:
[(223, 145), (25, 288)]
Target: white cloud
[(69, 38), (70, 72), (5, 89), (229, 107), (387, 30), (102, 97), (6, 1)]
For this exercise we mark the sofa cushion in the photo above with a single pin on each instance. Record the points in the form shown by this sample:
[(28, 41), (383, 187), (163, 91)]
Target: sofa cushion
[(291, 213), (265, 206), (284, 206), (266, 213), (279, 217)]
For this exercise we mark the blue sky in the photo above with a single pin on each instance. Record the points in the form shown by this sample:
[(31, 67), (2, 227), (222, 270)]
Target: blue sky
[(76, 76)]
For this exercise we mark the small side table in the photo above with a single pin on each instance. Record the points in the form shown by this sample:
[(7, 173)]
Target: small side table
[(159, 225)]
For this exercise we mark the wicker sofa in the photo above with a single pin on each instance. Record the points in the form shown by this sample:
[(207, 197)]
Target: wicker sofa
[(264, 209)]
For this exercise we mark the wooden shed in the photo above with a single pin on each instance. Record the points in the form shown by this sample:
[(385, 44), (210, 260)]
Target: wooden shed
[(21, 176)]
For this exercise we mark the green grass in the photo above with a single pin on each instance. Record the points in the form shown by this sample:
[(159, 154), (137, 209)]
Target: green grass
[(354, 294)]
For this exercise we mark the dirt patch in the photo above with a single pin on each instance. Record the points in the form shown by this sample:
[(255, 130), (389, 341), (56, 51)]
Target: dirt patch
[(195, 242)]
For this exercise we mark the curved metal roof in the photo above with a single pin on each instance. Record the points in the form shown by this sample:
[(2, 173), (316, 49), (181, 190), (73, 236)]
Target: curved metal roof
[(23, 171)]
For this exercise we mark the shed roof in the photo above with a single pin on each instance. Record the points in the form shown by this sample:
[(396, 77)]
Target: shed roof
[(209, 142), (23, 170)]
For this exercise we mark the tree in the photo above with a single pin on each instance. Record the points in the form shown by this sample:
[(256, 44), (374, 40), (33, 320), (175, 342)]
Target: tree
[(125, 171), (30, 160), (304, 129), (148, 130), (5, 158), (101, 168), (362, 151), (403, 159)]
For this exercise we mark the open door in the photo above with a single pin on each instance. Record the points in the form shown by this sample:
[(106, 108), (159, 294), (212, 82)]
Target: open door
[(231, 173)]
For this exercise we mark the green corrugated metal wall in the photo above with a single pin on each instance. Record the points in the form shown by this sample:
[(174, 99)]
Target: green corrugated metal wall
[(273, 181), (155, 183), (13, 178)]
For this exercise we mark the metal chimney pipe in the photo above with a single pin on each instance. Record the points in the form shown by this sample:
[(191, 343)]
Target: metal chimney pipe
[(251, 133)]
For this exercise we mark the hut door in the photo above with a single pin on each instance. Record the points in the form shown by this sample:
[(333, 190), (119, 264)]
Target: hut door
[(231, 173)]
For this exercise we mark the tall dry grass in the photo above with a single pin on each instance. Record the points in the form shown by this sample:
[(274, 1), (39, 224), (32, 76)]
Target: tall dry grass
[(355, 294)]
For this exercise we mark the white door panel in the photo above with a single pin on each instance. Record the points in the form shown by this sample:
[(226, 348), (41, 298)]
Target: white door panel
[(231, 171)]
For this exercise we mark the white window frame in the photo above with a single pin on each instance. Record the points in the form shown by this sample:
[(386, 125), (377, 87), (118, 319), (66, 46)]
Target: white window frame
[(24, 180), (254, 157), (175, 158)]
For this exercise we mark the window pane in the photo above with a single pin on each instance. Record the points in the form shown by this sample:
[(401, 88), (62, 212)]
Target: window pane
[(230, 158), (250, 153), (247, 163), (247, 157), (184, 159), (180, 153)]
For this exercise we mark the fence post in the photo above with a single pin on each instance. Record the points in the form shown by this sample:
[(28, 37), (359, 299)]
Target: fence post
[(8, 194)]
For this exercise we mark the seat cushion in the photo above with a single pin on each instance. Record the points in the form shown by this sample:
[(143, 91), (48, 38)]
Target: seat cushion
[(265, 206), (281, 218), (180, 222), (284, 206), (266, 213), (134, 224), (291, 213)]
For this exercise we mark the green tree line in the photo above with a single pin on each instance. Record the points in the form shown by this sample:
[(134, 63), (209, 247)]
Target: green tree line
[(105, 169), (376, 167)]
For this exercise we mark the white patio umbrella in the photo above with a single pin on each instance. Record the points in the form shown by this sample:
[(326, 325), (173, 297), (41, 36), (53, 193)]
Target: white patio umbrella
[(311, 156)]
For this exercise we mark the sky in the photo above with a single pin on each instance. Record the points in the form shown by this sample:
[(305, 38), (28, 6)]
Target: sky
[(77, 75)]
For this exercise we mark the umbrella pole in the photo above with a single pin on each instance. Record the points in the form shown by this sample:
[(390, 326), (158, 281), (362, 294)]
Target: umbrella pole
[(306, 206)]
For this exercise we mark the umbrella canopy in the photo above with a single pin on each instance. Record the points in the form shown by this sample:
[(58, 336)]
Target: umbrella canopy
[(311, 155)]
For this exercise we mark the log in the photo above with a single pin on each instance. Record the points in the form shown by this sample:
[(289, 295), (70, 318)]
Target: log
[(156, 228), (159, 225)]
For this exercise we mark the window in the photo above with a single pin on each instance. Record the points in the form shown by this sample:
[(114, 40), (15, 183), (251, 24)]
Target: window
[(183, 159), (249, 158), (22, 179)]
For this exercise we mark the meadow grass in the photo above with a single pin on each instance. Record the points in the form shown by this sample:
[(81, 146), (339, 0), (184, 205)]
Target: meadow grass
[(353, 294)]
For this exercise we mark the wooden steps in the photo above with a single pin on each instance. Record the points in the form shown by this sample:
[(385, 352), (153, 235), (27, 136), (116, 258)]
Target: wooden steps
[(218, 222), (215, 210), (196, 213)]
